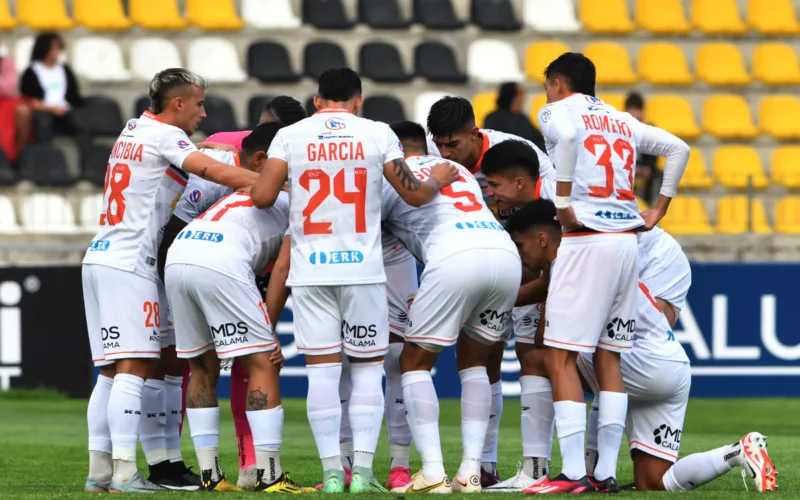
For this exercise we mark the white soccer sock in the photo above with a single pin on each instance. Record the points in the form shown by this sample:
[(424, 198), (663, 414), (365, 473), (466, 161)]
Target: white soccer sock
[(570, 418), (591, 437), (267, 429), (174, 399), (489, 456), (700, 468), (422, 407), (395, 409), (153, 425), (610, 426), (99, 435), (538, 415), (204, 426), (124, 413), (345, 432), (476, 404), (366, 410), (324, 410)]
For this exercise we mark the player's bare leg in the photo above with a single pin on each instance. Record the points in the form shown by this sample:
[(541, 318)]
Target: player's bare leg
[(396, 421), (100, 471), (489, 475)]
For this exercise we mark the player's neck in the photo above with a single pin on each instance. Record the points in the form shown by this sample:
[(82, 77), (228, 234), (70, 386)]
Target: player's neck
[(338, 107)]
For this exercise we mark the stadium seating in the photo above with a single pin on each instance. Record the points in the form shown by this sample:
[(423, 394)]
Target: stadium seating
[(141, 104), (101, 15), (45, 165), (721, 64), (734, 216), (90, 213), (7, 21), (213, 15), (156, 14), (215, 58), (270, 14), (728, 116), (779, 116), (717, 17), (686, 216), (43, 15), (8, 217), (537, 104), (606, 16), (787, 215), (664, 64), (7, 175), (483, 104), (382, 14), (784, 167), (672, 113), (436, 62), (309, 105), (551, 16), (538, 55), (696, 174), (326, 14), (383, 108), (663, 17), (776, 64), (255, 106), (381, 62), (95, 164), (735, 167), (221, 117), (496, 15), (269, 62), (319, 56), (423, 103), (47, 213), (99, 59), (612, 62), (106, 116), (436, 15), (772, 17), (493, 61), (22, 53), (615, 100), (151, 55)]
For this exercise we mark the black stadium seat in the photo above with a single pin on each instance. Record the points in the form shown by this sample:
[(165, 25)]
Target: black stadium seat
[(383, 108), (105, 116), (7, 175), (269, 62), (436, 14), (220, 116), (142, 103), (255, 106), (319, 56), (44, 165), (381, 62), (326, 14), (310, 108), (382, 14), (495, 15), (95, 163), (436, 62)]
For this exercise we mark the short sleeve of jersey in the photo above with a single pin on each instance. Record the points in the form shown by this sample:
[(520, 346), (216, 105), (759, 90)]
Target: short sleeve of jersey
[(175, 146), (278, 149), (552, 119), (393, 149)]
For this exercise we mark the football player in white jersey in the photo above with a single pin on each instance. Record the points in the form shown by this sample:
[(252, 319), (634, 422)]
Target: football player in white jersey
[(335, 163), (657, 377), (147, 167), (594, 146), (451, 124)]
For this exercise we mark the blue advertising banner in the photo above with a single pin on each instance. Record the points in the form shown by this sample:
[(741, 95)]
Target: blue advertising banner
[(738, 329)]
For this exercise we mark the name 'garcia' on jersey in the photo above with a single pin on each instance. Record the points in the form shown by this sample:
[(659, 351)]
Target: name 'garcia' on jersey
[(335, 151)]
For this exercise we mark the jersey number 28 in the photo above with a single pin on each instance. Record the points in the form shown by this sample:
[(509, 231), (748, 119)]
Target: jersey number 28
[(620, 147), (118, 178)]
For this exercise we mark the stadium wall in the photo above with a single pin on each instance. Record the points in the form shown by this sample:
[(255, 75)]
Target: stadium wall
[(739, 329)]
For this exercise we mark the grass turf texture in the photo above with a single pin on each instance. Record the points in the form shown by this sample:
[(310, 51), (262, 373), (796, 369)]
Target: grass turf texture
[(43, 445)]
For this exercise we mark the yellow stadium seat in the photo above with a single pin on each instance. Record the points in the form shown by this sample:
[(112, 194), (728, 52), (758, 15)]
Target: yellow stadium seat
[(776, 64), (213, 15), (779, 116), (772, 17), (721, 64), (662, 17), (101, 15), (784, 167), (606, 16), (616, 100), (696, 174), (735, 167), (717, 17), (537, 104), (612, 62), (733, 216), (672, 113), (7, 21), (156, 14), (728, 116), (538, 55), (483, 104), (787, 215), (43, 15), (686, 215), (663, 64)]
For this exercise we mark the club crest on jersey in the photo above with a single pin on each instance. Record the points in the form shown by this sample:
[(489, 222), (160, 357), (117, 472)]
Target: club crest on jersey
[(593, 100), (335, 124), (545, 116), (183, 144), (195, 196), (131, 124)]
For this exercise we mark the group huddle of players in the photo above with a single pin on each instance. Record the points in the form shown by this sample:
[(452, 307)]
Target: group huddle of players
[(339, 209)]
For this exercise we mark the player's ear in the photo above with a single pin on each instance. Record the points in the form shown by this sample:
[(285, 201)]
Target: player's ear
[(318, 102), (357, 103), (259, 160)]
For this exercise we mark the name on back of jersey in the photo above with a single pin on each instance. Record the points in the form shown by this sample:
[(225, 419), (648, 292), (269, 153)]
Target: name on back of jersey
[(604, 123), (334, 151), (124, 150)]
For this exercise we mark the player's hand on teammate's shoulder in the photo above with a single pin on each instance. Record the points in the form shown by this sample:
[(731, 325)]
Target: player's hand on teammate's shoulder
[(445, 173), (216, 145)]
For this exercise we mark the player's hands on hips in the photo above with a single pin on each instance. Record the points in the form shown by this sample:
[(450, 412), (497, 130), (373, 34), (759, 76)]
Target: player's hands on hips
[(276, 357), (445, 173), (568, 220), (651, 218)]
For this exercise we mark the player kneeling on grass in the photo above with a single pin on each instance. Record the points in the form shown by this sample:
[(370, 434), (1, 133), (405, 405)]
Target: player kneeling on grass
[(657, 377), (451, 235)]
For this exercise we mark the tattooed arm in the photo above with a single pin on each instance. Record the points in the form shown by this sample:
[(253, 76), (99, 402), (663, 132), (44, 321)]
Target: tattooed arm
[(413, 191)]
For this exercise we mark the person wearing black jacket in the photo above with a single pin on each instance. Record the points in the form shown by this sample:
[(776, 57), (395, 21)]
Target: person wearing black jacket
[(509, 118)]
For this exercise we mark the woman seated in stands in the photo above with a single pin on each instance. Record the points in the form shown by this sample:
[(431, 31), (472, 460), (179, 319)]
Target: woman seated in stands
[(15, 113)]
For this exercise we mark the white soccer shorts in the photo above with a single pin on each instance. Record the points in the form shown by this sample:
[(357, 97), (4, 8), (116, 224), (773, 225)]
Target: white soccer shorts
[(167, 329), (526, 320), (122, 314), (353, 318), (401, 286), (670, 281), (473, 289), (216, 311), (592, 295), (658, 393)]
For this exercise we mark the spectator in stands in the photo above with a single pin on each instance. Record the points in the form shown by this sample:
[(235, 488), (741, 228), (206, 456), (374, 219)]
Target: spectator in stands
[(648, 177), (52, 90), (509, 118), (15, 114)]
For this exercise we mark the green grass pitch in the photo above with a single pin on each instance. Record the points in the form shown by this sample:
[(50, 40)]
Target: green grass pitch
[(43, 445)]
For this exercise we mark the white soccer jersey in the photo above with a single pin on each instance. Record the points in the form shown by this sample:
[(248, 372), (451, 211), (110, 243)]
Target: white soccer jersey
[(143, 183), (652, 333), (233, 237), (606, 142), (456, 219), (201, 193), (394, 251), (335, 182), (656, 247)]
